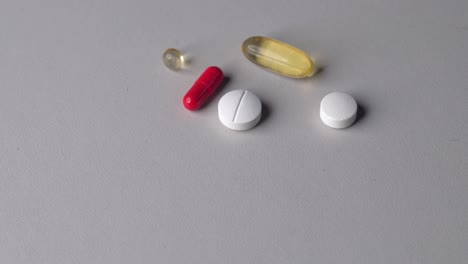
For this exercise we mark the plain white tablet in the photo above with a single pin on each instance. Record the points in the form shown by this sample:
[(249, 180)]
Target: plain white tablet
[(338, 110), (239, 110)]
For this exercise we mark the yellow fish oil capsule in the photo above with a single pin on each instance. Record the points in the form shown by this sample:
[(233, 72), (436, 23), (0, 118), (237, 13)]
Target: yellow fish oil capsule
[(278, 57)]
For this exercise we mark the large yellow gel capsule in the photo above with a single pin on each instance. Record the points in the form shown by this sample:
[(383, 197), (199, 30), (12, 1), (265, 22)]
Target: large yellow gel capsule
[(278, 57)]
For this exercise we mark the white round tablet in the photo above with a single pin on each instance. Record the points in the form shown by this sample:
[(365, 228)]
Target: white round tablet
[(239, 110), (338, 110)]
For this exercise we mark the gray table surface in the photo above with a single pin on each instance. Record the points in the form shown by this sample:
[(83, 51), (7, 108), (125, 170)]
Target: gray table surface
[(100, 162)]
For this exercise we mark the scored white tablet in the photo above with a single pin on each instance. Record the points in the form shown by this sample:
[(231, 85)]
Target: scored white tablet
[(239, 110)]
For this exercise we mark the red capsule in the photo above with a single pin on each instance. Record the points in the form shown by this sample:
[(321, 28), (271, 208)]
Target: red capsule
[(205, 86)]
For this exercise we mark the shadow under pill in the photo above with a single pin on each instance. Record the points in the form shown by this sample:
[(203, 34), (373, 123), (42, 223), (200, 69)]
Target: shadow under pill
[(361, 113), (266, 112)]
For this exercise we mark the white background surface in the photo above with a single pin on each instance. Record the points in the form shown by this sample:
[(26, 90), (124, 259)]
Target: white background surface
[(100, 162)]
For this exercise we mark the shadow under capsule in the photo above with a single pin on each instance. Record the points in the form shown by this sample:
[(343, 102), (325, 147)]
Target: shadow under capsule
[(187, 61)]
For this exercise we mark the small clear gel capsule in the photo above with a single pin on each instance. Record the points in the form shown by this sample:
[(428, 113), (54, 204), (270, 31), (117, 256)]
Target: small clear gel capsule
[(173, 59), (278, 57)]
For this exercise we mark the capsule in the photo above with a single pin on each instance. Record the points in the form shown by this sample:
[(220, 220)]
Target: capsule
[(278, 57), (203, 87), (173, 59)]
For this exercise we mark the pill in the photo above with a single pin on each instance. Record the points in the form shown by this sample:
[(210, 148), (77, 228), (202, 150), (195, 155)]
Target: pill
[(239, 110), (338, 110), (173, 59), (203, 87), (278, 57)]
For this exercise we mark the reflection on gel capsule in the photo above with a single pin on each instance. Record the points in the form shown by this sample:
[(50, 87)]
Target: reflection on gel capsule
[(278, 57)]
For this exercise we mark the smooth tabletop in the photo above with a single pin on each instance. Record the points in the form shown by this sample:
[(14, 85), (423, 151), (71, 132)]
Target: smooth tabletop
[(101, 163)]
